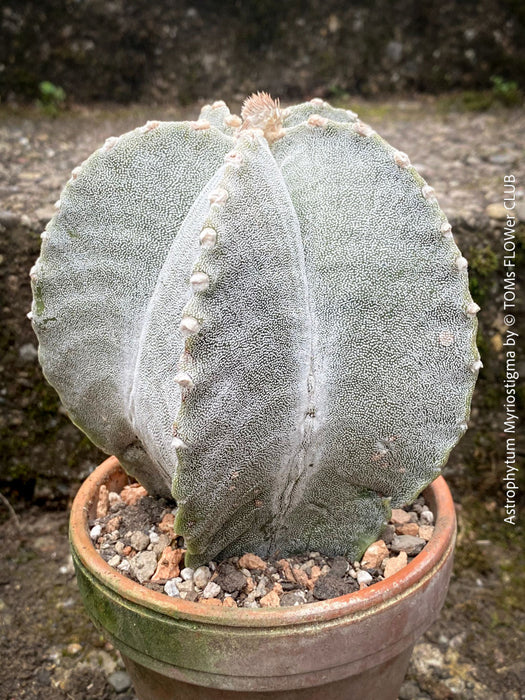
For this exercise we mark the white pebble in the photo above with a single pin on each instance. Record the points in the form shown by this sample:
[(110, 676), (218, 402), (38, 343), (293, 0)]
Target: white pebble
[(186, 587), (153, 537), (363, 578), (95, 532), (120, 547), (171, 589), (201, 576), (187, 574), (139, 540), (212, 590), (427, 517), (114, 561), (124, 565)]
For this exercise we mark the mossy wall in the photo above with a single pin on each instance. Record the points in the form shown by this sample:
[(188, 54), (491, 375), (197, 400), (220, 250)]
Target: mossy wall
[(185, 51)]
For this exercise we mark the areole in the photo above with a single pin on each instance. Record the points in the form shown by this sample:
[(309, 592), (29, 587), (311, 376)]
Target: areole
[(354, 646)]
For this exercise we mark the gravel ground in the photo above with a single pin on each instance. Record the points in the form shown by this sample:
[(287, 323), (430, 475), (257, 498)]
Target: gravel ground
[(49, 648)]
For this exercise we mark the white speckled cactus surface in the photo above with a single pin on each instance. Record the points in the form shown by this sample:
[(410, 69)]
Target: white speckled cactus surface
[(266, 317)]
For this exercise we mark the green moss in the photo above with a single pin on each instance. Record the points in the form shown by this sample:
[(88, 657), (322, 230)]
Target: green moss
[(502, 93), (39, 300), (483, 264)]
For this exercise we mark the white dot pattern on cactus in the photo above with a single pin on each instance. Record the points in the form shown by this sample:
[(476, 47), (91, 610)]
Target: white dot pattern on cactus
[(300, 317)]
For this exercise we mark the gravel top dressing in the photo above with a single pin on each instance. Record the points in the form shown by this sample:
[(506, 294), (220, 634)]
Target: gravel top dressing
[(134, 533)]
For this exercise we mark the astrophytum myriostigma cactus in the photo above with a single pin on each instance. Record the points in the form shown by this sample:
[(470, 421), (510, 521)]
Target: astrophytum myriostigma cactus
[(267, 317)]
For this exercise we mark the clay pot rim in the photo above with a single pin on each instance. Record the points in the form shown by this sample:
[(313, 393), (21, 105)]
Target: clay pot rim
[(359, 602)]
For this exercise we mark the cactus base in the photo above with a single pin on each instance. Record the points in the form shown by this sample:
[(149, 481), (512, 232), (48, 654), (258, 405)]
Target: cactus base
[(354, 646)]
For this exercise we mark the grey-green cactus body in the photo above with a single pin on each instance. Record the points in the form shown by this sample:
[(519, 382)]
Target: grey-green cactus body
[(269, 318)]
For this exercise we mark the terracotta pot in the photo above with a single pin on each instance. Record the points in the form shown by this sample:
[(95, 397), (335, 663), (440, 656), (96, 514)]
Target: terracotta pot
[(354, 646)]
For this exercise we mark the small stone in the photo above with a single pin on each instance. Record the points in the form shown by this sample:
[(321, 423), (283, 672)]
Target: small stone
[(201, 576), (300, 576), (119, 547), (270, 600), (426, 532), (139, 540), (400, 516), (388, 533), (45, 213), (409, 691), (315, 573), (114, 561), (260, 589), (374, 555), (143, 565), (171, 589), (229, 578), (229, 602), (168, 566), (251, 561), (286, 569), (292, 598), (115, 501), (8, 218), (364, 578), (74, 648), (153, 537), (332, 587), (427, 517), (187, 574), (186, 587), (338, 567), (211, 590), (408, 529), (249, 601), (211, 601), (124, 566), (95, 532), (250, 585), (103, 502), (113, 523), (496, 211), (120, 681), (28, 353), (395, 564), (407, 543), (161, 545), (132, 493), (166, 525), (277, 588)]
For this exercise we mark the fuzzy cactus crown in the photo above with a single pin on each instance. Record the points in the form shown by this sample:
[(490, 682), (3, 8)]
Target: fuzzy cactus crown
[(266, 317)]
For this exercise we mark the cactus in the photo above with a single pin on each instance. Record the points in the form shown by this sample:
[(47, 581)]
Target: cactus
[(266, 317)]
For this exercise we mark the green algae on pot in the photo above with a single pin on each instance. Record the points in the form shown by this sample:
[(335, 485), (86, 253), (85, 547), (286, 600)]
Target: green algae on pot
[(357, 645)]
